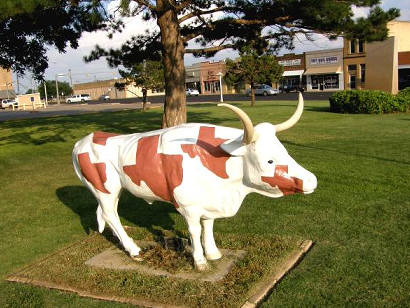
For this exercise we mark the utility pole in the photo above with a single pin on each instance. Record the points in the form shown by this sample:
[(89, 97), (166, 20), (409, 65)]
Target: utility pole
[(45, 92), (58, 97), (71, 79)]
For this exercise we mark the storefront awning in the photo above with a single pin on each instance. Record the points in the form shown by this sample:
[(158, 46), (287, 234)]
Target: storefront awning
[(324, 70), (293, 73)]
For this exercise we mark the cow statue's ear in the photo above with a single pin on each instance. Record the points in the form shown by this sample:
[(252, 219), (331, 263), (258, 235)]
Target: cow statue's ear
[(234, 147)]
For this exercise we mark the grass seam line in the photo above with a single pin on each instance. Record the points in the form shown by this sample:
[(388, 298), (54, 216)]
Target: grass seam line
[(265, 290)]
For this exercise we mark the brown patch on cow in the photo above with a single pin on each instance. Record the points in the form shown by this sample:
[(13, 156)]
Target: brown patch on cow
[(161, 172), (94, 173), (288, 185), (207, 148), (101, 137)]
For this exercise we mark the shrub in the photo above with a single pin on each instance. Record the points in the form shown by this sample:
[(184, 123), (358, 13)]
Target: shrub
[(369, 101), (404, 98)]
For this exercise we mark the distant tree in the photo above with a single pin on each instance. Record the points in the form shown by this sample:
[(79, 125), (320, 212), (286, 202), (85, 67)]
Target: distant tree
[(63, 87), (252, 68), (148, 75)]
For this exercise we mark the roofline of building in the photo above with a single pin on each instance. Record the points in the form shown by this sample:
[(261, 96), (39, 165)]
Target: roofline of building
[(291, 54), (91, 82), (399, 21)]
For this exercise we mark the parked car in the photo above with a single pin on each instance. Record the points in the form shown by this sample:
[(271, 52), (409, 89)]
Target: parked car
[(263, 89), (192, 92), (78, 98), (104, 98), (8, 103), (291, 88)]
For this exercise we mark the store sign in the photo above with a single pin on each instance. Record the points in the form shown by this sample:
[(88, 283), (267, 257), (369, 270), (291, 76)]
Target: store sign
[(324, 60), (292, 62)]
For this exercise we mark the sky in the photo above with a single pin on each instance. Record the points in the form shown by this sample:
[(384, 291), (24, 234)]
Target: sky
[(60, 64)]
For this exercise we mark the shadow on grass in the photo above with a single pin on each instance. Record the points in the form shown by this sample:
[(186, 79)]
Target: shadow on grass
[(305, 108), (40, 131), (153, 217), (317, 108)]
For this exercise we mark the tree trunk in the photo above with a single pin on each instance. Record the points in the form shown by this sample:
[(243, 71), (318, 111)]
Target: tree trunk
[(144, 99), (252, 95), (173, 51)]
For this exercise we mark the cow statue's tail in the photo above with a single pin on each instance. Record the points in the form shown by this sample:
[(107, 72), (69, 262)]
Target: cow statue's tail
[(76, 164), (100, 219), (77, 168)]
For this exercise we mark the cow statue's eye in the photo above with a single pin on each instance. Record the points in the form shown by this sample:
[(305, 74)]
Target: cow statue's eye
[(270, 161)]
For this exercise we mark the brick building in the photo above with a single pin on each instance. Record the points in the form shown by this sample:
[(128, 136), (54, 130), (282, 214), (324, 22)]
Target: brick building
[(204, 77), (294, 66)]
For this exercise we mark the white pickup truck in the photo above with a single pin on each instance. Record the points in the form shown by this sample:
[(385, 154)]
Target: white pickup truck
[(78, 98)]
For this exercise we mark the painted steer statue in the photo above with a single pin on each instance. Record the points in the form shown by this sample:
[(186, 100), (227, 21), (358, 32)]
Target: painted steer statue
[(204, 170)]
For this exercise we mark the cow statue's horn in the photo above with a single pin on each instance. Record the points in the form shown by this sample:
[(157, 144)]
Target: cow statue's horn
[(248, 135), (293, 119)]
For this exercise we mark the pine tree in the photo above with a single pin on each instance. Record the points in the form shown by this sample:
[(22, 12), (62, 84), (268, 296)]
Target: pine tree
[(29, 27)]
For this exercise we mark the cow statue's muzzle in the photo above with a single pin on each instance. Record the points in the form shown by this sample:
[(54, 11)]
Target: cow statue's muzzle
[(304, 183)]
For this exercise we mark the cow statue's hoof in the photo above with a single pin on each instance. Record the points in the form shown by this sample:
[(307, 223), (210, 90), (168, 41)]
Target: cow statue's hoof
[(134, 251), (201, 267), (138, 257), (214, 256)]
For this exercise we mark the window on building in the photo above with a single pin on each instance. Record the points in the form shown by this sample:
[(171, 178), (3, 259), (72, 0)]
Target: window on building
[(323, 82), (207, 87), (404, 78), (211, 86), (315, 82), (353, 46), (363, 72), (351, 67), (331, 81), (352, 82), (361, 46), (216, 87)]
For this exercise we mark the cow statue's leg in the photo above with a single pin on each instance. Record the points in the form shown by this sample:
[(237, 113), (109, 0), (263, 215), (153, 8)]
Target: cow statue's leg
[(211, 251), (107, 213), (194, 227)]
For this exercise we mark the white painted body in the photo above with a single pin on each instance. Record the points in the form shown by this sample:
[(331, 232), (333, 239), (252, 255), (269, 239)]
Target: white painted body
[(202, 195)]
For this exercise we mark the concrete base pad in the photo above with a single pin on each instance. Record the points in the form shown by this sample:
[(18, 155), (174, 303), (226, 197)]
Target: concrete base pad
[(116, 259)]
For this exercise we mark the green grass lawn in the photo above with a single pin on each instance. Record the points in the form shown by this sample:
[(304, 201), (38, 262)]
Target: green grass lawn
[(359, 216)]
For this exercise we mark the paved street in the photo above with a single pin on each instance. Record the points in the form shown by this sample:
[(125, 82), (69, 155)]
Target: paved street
[(134, 103)]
